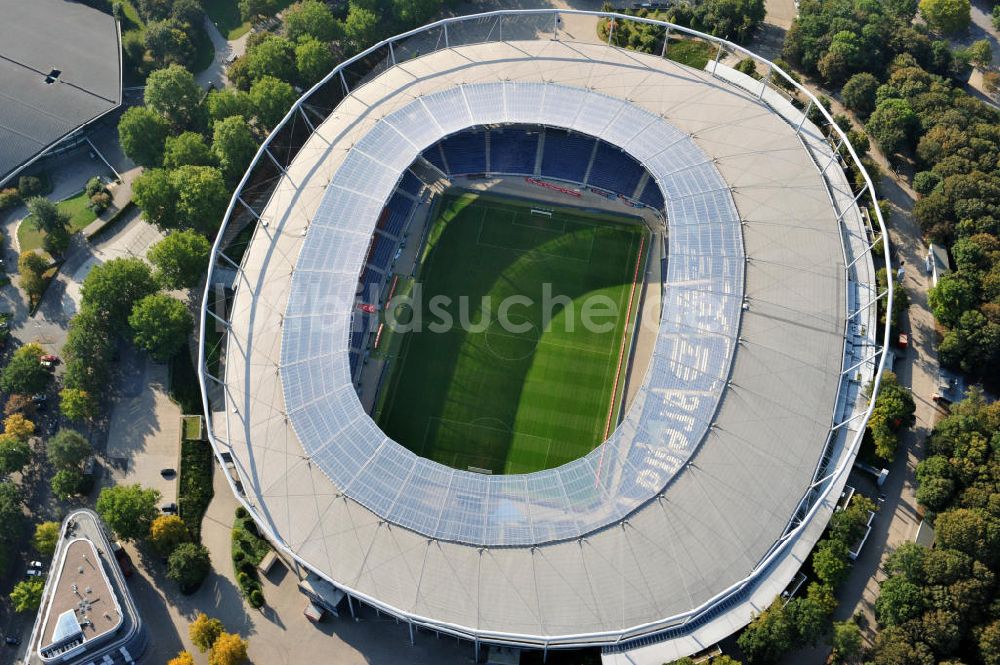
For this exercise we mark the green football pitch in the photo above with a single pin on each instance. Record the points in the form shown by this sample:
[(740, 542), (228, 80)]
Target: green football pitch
[(526, 396)]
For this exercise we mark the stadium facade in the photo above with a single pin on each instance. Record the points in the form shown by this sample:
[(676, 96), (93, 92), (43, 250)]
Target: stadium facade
[(722, 474)]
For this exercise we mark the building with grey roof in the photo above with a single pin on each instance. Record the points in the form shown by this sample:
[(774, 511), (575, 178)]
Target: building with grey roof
[(60, 69), (87, 614), (701, 505)]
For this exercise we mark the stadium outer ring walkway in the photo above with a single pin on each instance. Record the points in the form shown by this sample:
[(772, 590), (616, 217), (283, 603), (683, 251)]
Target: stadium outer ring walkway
[(733, 525)]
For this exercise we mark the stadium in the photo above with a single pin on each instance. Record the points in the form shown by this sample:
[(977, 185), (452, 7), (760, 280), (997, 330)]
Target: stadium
[(644, 486)]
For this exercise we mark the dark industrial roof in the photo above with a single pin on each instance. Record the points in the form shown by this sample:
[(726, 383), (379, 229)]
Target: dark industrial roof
[(60, 67)]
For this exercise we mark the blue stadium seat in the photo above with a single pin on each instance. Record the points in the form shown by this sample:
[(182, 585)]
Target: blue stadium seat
[(398, 214), (465, 152), (433, 155), (614, 170), (513, 150), (566, 155), (410, 183), (651, 195)]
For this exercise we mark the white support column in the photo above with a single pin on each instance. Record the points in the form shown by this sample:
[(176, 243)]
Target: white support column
[(247, 206), (862, 255), (718, 56), (666, 40), (844, 212), (833, 157), (611, 30), (764, 81), (555, 27), (805, 116), (392, 54), (446, 44), (275, 161), (343, 82), (862, 362), (849, 420), (868, 304)]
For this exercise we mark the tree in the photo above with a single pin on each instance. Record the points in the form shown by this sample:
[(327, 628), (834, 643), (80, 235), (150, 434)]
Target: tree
[(952, 296), (228, 102), (142, 133), (175, 95), (234, 146), (204, 630), (68, 449), (311, 18), (271, 56), (87, 352), (809, 619), (894, 409), (113, 288), (229, 649), (313, 61), (187, 148), (12, 518), (980, 53), (846, 641), (892, 125), (77, 404), (30, 267), (161, 325), (67, 483), (360, 27), (907, 560), (18, 427), (947, 15), (182, 658), (167, 532), (19, 404), (25, 373), (154, 193), (768, 636), (27, 595), (180, 259), (830, 561), (168, 43), (202, 198), (412, 13), (272, 99), (251, 9), (859, 93), (969, 531), (46, 537), (188, 565), (128, 509), (989, 637), (14, 454), (899, 600), (47, 217)]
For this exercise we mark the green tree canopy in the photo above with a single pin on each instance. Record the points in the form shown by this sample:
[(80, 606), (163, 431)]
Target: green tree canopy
[(272, 98), (952, 296), (30, 267), (899, 600), (89, 347), (311, 18), (228, 102), (12, 518), (128, 509), (859, 93), (175, 95), (187, 149), (202, 198), (77, 404), (361, 27), (154, 193), (67, 483), (14, 454), (830, 561), (272, 56), (24, 373), (113, 288), (234, 146), (46, 537), (892, 125), (768, 636), (947, 15), (180, 259), (188, 565), (27, 595), (142, 133), (313, 61), (68, 449), (161, 325)]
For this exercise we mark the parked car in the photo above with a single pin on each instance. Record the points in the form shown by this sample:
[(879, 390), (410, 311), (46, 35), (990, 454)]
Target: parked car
[(169, 508), (35, 564), (12, 641), (34, 572), (124, 562), (168, 473), (48, 357), (48, 364)]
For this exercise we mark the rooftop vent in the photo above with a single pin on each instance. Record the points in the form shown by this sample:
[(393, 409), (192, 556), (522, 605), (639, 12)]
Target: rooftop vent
[(53, 75)]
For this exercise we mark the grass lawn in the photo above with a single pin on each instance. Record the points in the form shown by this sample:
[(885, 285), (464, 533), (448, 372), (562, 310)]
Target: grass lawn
[(691, 52), (30, 237), (514, 401)]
